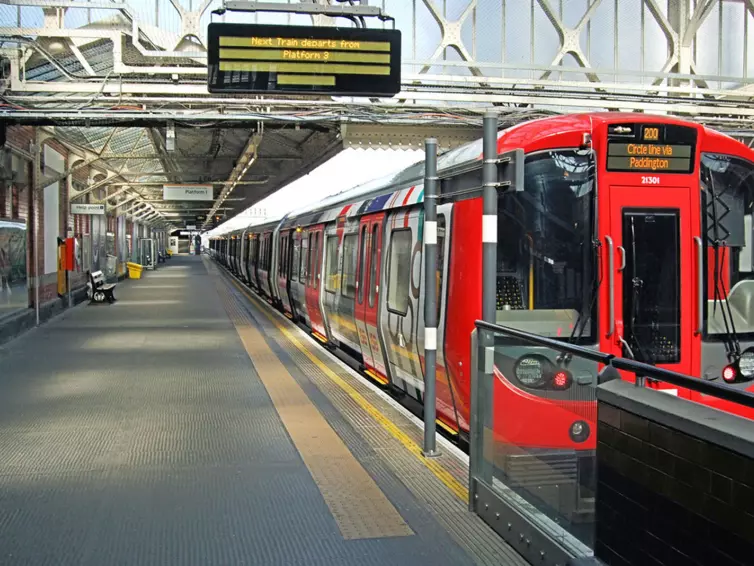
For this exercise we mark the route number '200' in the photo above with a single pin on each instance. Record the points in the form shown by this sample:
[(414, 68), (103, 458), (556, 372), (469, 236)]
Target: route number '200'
[(647, 180)]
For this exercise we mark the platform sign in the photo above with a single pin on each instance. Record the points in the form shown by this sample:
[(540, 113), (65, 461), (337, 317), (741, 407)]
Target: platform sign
[(259, 59), (84, 208), (187, 192)]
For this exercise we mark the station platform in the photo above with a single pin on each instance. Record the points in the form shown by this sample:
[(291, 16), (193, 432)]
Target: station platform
[(189, 423)]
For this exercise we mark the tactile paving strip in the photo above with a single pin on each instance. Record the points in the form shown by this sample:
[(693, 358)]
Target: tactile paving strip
[(358, 505), (446, 496)]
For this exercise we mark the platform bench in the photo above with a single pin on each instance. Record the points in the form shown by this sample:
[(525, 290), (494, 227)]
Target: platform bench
[(99, 289)]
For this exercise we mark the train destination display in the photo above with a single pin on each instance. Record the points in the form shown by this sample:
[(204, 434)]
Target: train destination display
[(648, 157), (251, 58), (651, 148)]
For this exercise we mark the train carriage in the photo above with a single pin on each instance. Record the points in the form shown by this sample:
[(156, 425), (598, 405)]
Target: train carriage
[(631, 234)]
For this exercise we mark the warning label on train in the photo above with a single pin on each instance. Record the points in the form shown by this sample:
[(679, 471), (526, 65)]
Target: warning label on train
[(649, 157)]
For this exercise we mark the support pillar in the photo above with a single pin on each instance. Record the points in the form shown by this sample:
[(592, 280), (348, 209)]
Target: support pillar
[(430, 297)]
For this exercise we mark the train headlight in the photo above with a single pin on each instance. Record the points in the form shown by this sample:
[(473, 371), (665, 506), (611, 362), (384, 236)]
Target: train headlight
[(746, 364), (579, 431)]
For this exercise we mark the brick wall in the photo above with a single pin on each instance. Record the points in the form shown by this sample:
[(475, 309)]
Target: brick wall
[(675, 481)]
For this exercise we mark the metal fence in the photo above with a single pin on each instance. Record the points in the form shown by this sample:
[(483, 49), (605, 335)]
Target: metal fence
[(533, 435)]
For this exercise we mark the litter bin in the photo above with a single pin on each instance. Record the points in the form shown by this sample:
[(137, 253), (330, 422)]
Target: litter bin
[(134, 270)]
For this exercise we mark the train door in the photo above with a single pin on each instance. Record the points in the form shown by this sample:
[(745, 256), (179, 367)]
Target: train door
[(402, 307), (302, 278), (652, 288), (284, 273), (368, 295), (245, 241), (313, 284)]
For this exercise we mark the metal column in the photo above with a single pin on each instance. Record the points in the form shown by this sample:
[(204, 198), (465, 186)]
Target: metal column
[(35, 214), (430, 297), (489, 217), (486, 349)]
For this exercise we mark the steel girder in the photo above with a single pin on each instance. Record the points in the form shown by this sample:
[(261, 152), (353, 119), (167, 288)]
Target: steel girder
[(598, 54)]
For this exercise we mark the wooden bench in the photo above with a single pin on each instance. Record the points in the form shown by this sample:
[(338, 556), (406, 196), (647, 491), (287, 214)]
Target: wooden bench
[(99, 289)]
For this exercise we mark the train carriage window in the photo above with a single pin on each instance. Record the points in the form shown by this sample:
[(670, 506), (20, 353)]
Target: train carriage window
[(374, 264), (348, 278), (399, 271), (546, 254), (331, 273), (362, 263), (295, 264), (727, 200)]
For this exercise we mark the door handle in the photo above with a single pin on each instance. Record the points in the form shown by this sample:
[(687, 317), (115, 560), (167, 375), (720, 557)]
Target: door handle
[(699, 284), (622, 251), (610, 286)]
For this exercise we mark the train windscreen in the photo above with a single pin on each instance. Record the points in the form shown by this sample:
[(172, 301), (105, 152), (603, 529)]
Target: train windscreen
[(546, 261), (727, 201)]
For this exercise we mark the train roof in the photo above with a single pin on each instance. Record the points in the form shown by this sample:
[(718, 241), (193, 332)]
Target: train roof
[(403, 188)]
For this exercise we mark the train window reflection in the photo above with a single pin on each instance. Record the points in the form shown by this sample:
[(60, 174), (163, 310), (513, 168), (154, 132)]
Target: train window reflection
[(728, 199), (546, 268)]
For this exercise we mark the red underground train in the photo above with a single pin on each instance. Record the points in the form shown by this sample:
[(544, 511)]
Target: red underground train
[(632, 234)]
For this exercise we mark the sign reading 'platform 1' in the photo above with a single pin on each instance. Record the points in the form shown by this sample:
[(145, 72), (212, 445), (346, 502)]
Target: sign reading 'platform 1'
[(82, 208), (187, 192)]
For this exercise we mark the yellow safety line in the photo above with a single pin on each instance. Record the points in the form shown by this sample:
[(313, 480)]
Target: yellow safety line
[(460, 490)]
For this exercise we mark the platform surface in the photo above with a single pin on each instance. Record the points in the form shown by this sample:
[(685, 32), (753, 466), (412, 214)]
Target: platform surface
[(190, 424)]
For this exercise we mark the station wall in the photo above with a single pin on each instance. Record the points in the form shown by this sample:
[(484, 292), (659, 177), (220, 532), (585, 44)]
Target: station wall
[(31, 218)]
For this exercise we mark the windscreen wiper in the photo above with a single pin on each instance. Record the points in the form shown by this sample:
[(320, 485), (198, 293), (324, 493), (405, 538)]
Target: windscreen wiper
[(732, 344)]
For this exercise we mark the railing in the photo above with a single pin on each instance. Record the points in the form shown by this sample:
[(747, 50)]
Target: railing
[(533, 436)]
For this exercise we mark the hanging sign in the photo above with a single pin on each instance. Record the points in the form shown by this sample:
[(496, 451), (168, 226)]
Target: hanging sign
[(256, 58), (82, 208), (187, 192)]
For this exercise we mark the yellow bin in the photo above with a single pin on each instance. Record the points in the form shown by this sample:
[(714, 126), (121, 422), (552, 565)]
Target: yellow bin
[(134, 270)]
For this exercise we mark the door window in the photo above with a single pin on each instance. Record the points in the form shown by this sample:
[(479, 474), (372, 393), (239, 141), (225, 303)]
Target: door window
[(296, 259), (399, 271), (314, 268), (362, 263), (374, 265), (331, 258), (348, 284), (652, 285)]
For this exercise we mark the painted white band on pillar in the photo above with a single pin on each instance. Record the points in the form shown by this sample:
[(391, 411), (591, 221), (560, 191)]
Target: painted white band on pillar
[(430, 232), (489, 228), (489, 360), (430, 338)]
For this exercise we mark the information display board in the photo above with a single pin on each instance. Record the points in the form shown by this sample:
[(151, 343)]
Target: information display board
[(257, 59), (651, 148)]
